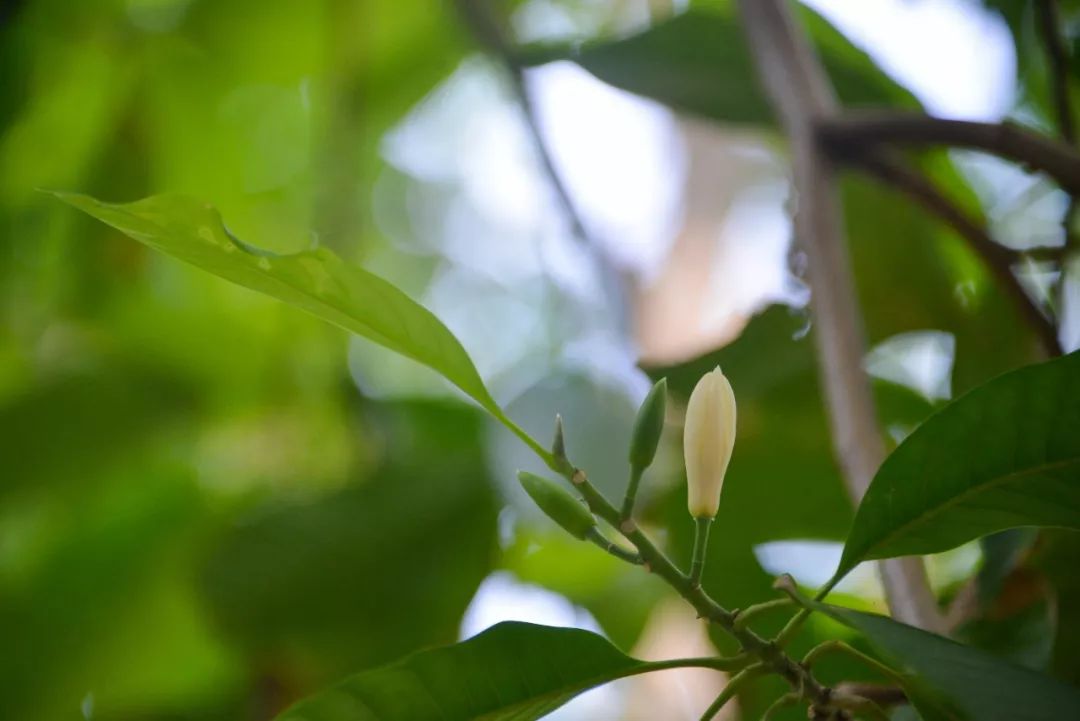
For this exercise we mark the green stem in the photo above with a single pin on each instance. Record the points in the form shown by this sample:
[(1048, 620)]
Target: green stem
[(701, 543), (788, 699), (786, 584), (792, 627), (841, 647), (614, 549), (766, 652), (549, 460), (748, 614), (631, 493), (726, 664), (731, 688)]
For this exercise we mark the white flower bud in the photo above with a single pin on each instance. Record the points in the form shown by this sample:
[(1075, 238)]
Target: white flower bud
[(708, 439)]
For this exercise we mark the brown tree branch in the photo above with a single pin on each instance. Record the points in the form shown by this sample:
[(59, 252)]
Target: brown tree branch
[(480, 17), (997, 258), (1029, 149), (802, 96)]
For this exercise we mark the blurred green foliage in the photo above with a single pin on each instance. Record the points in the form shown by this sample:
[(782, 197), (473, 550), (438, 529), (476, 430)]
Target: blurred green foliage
[(202, 517)]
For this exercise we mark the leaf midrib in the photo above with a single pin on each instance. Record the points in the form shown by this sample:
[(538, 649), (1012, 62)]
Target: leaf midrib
[(485, 401), (997, 480)]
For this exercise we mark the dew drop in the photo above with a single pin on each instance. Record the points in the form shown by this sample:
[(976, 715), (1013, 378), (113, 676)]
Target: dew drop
[(264, 263)]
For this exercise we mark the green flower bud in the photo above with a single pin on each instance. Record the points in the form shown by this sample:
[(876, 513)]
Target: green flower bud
[(708, 439), (648, 426), (558, 446), (558, 504)]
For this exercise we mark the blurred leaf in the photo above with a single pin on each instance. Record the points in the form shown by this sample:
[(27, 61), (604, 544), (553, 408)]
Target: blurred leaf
[(698, 62), (1058, 558), (1033, 72), (90, 584), (43, 147), (317, 281), (1001, 552), (516, 671), (972, 684), (1024, 637), (1005, 455), (898, 251), (772, 369), (1014, 615), (367, 574), (618, 595), (67, 428)]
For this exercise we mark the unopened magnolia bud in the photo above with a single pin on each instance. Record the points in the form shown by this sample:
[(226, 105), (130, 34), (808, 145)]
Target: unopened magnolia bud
[(558, 504), (708, 439), (648, 426)]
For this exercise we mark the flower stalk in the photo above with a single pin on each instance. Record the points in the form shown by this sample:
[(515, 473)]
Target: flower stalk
[(701, 544), (708, 442), (766, 653)]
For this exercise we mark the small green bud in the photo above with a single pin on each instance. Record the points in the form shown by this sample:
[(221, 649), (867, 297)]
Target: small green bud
[(648, 426), (558, 446), (558, 504)]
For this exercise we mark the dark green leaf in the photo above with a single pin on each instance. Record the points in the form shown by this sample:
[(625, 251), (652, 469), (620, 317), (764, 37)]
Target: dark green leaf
[(317, 281), (698, 62), (358, 578), (1025, 636), (71, 615), (951, 681), (1001, 552), (1059, 558), (68, 427), (515, 671), (1005, 455)]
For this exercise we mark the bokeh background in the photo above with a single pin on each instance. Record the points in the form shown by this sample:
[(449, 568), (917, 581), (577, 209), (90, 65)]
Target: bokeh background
[(212, 504)]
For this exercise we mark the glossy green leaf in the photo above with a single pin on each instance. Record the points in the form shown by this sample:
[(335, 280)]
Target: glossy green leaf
[(698, 62), (1003, 456), (951, 681), (516, 671), (317, 281)]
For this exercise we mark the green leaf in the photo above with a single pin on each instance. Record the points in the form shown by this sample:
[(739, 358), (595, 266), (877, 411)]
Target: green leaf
[(698, 62), (317, 281), (953, 681), (353, 579), (516, 671), (1058, 557), (98, 419), (1005, 455)]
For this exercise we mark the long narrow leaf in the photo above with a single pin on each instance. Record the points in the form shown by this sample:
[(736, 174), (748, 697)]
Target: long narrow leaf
[(317, 281)]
